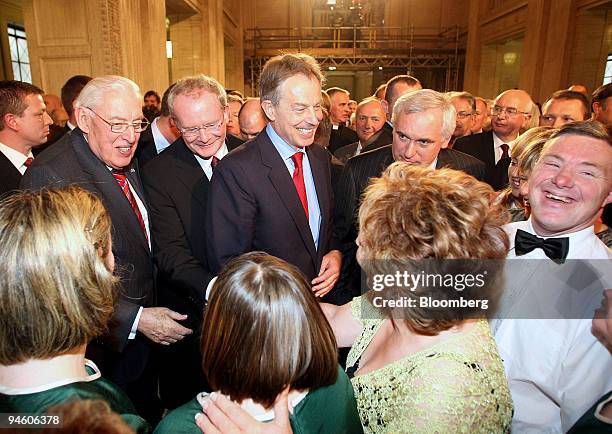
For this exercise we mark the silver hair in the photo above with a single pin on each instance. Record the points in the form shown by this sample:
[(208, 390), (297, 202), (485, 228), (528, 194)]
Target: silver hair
[(418, 101), (196, 84), (94, 92)]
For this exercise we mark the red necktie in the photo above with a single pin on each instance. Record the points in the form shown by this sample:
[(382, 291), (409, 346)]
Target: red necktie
[(123, 183), (298, 180), (28, 162), (504, 147), (214, 162)]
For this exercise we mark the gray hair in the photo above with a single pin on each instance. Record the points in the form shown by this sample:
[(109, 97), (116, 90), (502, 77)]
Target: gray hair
[(94, 92), (418, 101), (196, 84), (466, 96)]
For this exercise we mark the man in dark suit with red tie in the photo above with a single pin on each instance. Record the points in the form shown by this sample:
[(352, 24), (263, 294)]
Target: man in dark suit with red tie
[(510, 111), (98, 156), (177, 183), (24, 125), (274, 192)]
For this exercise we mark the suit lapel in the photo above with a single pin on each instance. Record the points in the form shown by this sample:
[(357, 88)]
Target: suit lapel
[(106, 184), (283, 184), (190, 173)]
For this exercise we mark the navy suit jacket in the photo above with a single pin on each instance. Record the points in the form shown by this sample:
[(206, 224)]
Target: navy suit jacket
[(253, 205)]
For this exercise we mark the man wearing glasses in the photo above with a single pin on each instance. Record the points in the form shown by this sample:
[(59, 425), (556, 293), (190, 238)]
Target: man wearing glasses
[(98, 156), (510, 111), (177, 185), (465, 106)]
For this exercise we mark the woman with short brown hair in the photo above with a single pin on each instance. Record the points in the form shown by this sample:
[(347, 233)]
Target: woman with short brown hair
[(263, 332)]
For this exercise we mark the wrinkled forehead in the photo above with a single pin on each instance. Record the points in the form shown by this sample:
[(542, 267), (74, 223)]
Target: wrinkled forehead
[(582, 149)]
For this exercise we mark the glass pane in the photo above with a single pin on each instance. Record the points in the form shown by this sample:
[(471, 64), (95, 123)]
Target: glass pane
[(21, 33), (16, 71), (25, 73), (13, 45), (11, 31), (22, 44)]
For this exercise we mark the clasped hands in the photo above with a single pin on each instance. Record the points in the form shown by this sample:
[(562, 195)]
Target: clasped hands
[(159, 324)]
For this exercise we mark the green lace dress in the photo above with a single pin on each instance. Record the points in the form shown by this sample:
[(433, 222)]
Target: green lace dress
[(455, 386)]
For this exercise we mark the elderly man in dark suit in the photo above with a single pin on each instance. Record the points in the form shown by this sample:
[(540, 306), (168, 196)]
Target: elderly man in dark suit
[(369, 119), (24, 125), (98, 156), (339, 114), (510, 111), (177, 184), (274, 192), (423, 122)]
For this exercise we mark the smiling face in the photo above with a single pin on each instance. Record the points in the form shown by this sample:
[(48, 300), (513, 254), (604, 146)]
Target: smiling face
[(514, 178), (198, 109), (296, 116), (369, 118), (113, 149), (570, 184), (417, 137)]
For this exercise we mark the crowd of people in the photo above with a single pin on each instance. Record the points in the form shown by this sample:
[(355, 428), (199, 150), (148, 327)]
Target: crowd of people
[(209, 262)]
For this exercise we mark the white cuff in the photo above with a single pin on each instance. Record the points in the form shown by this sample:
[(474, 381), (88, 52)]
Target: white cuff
[(135, 325)]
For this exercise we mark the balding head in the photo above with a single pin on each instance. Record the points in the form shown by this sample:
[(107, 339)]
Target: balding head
[(510, 110), (252, 118)]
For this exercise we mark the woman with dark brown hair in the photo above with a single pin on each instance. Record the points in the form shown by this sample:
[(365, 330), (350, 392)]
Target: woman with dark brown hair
[(265, 332)]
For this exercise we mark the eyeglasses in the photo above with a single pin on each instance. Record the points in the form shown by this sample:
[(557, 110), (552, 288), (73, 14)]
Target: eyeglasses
[(121, 127), (192, 132), (510, 111), (463, 115)]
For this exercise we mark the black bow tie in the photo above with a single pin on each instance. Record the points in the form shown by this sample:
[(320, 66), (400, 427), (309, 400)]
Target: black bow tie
[(555, 248)]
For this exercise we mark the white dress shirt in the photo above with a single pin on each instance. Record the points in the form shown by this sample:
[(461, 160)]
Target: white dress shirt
[(206, 164), (15, 157), (159, 139), (497, 142), (556, 368)]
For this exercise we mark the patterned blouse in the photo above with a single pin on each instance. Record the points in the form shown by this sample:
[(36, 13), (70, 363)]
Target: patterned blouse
[(457, 385)]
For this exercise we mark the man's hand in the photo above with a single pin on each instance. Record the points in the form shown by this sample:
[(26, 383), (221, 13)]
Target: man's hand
[(159, 325), (602, 323), (224, 416), (329, 273)]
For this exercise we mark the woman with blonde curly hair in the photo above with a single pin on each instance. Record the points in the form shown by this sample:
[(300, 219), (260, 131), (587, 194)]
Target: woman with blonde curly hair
[(415, 367), (56, 295)]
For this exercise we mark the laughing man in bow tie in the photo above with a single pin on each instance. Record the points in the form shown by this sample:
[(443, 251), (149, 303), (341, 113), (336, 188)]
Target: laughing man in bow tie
[(556, 369)]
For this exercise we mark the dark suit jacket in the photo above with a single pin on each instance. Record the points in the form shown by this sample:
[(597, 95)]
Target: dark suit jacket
[(383, 137), (253, 205), (177, 191), (146, 149), (9, 176), (341, 137), (70, 161), (481, 146), (355, 178)]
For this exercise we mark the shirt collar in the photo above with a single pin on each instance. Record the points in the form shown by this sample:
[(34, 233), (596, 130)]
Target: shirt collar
[(284, 149), (14, 156), (497, 142), (72, 127), (575, 237), (221, 152)]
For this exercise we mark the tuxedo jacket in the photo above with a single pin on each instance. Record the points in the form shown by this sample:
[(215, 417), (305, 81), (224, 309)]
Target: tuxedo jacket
[(481, 146), (71, 162), (253, 205), (341, 137), (353, 181), (9, 176)]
